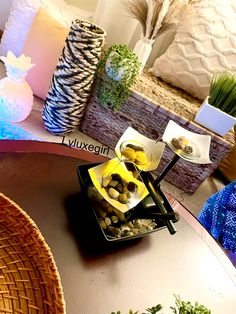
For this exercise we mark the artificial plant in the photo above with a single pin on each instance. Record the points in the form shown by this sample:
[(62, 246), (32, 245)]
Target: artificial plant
[(116, 72), (222, 94)]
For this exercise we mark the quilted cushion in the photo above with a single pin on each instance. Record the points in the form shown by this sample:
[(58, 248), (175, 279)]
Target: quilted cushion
[(205, 44), (21, 17)]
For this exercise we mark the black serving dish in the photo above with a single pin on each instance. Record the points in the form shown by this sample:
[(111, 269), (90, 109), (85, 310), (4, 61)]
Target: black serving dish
[(147, 205)]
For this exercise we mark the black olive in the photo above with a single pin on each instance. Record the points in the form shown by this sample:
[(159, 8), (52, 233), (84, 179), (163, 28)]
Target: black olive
[(120, 188), (132, 187), (116, 177), (135, 147)]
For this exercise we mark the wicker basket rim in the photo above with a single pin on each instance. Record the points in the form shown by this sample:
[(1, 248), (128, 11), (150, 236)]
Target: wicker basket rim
[(21, 215)]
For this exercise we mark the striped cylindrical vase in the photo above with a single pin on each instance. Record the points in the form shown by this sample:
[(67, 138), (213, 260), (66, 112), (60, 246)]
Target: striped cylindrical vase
[(72, 80)]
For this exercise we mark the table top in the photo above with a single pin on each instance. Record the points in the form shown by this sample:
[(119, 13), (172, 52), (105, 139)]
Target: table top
[(99, 278)]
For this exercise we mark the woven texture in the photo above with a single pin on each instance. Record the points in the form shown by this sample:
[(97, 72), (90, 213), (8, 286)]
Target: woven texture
[(150, 117), (29, 280), (204, 45), (218, 216), (73, 77)]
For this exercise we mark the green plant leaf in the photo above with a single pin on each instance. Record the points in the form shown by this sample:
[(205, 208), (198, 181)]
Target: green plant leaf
[(183, 307), (223, 92), (110, 92), (154, 309)]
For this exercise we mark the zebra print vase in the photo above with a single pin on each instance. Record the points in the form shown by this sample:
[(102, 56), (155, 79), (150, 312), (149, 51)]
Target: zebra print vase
[(72, 80)]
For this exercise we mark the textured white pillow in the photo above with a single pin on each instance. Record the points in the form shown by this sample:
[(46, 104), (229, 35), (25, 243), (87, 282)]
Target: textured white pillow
[(22, 15), (205, 44), (17, 26)]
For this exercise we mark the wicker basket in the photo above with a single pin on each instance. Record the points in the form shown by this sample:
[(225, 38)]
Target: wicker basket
[(29, 280)]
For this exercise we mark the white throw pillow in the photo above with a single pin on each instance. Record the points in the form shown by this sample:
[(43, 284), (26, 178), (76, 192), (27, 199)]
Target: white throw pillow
[(22, 15), (205, 44), (17, 26)]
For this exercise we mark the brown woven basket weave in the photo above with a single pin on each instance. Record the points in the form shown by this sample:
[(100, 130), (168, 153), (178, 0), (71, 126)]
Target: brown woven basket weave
[(29, 280)]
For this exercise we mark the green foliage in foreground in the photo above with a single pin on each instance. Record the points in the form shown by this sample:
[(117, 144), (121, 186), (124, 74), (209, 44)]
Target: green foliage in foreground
[(223, 92), (181, 307)]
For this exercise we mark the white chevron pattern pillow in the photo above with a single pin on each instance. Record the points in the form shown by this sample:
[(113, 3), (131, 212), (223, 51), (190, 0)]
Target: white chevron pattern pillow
[(205, 44)]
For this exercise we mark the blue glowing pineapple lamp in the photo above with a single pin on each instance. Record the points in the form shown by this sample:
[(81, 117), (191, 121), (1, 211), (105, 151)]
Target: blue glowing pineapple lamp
[(16, 96)]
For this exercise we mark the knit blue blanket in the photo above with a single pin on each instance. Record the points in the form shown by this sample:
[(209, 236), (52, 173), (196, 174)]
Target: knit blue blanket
[(218, 216)]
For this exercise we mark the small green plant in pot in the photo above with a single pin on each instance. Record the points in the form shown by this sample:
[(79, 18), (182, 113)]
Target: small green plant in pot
[(116, 72), (223, 93), (218, 110)]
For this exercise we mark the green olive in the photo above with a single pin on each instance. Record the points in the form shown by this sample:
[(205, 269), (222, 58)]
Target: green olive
[(113, 193), (123, 198)]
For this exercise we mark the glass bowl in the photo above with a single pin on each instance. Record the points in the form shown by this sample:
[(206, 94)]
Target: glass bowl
[(134, 152)]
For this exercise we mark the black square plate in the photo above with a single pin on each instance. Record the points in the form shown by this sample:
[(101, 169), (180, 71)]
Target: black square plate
[(85, 182)]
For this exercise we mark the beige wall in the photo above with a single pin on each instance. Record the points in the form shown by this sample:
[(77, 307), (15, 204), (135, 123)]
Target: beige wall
[(112, 16), (89, 5)]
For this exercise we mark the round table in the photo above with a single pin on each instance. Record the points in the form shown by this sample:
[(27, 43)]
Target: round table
[(98, 277)]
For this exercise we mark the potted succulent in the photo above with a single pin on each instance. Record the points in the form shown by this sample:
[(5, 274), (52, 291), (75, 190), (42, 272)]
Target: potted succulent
[(116, 72), (218, 111)]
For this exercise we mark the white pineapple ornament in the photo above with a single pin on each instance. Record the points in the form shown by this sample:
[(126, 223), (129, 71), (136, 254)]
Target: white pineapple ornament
[(16, 96)]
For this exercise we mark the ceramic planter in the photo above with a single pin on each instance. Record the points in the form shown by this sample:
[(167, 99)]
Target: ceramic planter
[(124, 67), (214, 119), (143, 49)]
